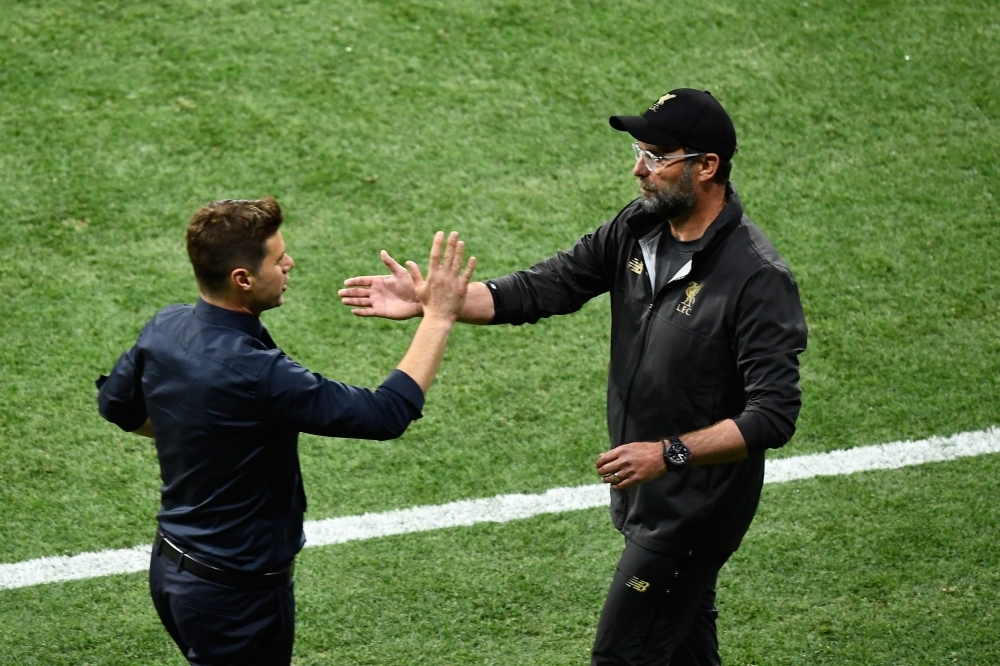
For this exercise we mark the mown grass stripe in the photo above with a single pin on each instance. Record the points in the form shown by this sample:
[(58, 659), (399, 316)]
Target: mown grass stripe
[(505, 508)]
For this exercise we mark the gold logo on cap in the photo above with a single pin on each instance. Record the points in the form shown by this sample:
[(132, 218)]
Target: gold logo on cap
[(658, 103), (684, 307), (635, 266)]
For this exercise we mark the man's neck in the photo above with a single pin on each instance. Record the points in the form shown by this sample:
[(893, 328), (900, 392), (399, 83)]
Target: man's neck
[(693, 224), (226, 303)]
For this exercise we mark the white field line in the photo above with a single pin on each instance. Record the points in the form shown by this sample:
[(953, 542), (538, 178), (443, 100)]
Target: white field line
[(505, 508)]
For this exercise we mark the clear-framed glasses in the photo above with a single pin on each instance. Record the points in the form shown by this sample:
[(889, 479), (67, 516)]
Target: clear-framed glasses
[(653, 161)]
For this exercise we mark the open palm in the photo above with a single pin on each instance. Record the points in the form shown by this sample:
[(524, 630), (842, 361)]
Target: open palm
[(389, 296)]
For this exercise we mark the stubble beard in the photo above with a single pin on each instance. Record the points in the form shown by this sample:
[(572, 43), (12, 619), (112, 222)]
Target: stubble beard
[(673, 200)]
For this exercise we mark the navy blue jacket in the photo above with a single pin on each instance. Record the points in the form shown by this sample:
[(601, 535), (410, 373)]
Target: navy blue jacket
[(227, 407)]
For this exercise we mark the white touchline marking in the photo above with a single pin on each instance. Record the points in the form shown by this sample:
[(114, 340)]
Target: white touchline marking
[(505, 508)]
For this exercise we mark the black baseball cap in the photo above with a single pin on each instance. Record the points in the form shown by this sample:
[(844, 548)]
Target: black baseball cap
[(683, 117)]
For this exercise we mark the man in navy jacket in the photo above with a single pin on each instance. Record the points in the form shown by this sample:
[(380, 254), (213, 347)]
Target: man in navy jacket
[(225, 406)]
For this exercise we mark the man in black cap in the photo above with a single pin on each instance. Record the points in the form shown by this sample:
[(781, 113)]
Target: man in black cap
[(706, 330)]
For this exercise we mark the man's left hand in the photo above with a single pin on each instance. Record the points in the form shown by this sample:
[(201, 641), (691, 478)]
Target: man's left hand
[(637, 462)]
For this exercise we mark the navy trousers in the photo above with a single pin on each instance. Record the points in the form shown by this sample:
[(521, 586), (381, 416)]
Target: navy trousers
[(217, 625), (660, 611)]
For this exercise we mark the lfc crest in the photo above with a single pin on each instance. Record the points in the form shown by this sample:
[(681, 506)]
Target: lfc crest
[(690, 294)]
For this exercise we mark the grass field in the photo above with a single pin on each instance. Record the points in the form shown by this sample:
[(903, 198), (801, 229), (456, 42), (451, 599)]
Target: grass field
[(868, 134)]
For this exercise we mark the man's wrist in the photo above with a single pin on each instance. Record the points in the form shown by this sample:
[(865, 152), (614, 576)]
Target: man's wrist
[(444, 320), (675, 454)]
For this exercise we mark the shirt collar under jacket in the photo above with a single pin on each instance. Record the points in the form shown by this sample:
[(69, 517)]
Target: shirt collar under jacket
[(241, 321)]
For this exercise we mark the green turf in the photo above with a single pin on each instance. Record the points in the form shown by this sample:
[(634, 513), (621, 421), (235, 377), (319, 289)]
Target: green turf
[(874, 174), (895, 568)]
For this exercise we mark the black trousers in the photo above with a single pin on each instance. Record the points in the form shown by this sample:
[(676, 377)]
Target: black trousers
[(660, 611), (218, 625)]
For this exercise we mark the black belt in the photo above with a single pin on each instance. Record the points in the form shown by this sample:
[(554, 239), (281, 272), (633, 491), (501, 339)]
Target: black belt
[(222, 576)]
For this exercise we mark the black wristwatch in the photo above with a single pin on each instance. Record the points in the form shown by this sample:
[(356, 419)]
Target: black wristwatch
[(676, 455)]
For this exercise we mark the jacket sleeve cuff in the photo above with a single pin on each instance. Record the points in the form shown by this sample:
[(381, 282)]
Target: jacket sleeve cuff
[(401, 383), (751, 428), (122, 415), (506, 300)]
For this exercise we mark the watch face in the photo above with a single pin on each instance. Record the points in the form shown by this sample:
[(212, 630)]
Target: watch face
[(678, 454)]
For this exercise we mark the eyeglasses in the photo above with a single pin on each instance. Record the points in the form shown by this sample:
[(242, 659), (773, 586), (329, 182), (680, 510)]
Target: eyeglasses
[(652, 161)]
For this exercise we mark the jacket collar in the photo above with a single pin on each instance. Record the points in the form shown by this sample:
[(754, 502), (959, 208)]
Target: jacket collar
[(642, 224), (216, 316)]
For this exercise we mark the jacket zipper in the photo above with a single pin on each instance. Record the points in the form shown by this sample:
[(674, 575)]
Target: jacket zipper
[(647, 318)]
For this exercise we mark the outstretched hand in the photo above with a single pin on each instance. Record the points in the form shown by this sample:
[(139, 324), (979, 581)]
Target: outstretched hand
[(389, 296), (443, 293)]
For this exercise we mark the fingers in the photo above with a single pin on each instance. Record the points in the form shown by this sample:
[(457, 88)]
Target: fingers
[(622, 483), (449, 252), (360, 281), (611, 469), (622, 476), (365, 302), (469, 268), (617, 480), (435, 259), (604, 459), (363, 312)]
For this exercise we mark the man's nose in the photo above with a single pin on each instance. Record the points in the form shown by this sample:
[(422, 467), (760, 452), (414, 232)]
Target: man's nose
[(640, 170)]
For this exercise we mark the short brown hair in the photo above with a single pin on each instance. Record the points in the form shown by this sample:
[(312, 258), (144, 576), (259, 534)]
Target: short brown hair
[(225, 235)]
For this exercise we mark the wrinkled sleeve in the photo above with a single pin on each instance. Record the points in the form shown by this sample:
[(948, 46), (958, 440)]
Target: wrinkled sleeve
[(557, 285), (770, 335), (119, 396), (308, 402)]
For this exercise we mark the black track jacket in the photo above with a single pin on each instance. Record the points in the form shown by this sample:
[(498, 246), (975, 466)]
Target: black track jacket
[(720, 342)]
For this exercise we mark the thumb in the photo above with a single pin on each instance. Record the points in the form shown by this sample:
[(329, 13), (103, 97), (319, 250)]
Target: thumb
[(418, 279), (392, 264)]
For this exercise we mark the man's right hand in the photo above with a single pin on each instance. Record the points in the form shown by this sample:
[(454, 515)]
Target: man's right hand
[(441, 297), (389, 296), (442, 294)]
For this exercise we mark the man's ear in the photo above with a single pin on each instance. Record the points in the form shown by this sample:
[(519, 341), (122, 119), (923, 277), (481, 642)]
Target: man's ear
[(240, 278), (709, 165)]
